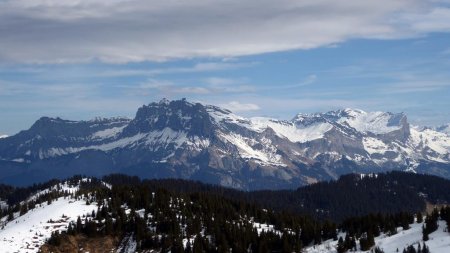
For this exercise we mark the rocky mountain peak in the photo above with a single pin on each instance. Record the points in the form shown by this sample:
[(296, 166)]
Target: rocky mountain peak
[(178, 115), (184, 139)]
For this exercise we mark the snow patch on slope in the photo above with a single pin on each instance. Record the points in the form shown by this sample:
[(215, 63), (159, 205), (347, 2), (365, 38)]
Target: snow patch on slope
[(373, 145), (283, 129), (438, 142), (29, 232), (223, 116), (374, 122), (290, 131), (439, 241), (108, 133), (164, 137), (265, 156)]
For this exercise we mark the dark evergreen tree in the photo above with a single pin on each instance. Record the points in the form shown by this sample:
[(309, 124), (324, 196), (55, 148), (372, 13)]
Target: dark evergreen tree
[(419, 217), (341, 246)]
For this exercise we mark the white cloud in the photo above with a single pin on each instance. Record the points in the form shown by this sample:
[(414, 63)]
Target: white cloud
[(170, 89), (196, 68), (309, 80), (219, 81), (42, 31), (417, 86), (236, 106)]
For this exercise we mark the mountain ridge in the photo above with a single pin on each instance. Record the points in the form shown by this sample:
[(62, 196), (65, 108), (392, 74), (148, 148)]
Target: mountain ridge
[(181, 139)]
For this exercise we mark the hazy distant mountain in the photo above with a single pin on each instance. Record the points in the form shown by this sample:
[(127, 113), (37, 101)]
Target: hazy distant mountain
[(203, 142), (444, 129)]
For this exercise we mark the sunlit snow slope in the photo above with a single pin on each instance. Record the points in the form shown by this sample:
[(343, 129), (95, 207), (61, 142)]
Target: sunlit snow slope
[(439, 241), (27, 233)]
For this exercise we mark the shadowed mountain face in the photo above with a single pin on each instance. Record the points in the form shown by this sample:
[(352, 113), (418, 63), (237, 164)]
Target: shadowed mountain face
[(187, 140)]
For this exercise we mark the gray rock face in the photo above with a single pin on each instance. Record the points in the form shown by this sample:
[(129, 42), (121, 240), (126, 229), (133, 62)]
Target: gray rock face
[(193, 141)]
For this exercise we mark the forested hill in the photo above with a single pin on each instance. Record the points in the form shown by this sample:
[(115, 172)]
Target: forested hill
[(356, 195), (179, 215), (351, 195)]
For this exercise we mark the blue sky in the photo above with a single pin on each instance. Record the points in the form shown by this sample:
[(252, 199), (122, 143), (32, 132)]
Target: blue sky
[(388, 58)]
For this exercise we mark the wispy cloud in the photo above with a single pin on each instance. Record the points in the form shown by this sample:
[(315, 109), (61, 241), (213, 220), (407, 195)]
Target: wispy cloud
[(10, 88), (236, 106), (220, 81), (120, 31), (416, 86), (307, 81), (196, 68), (169, 88)]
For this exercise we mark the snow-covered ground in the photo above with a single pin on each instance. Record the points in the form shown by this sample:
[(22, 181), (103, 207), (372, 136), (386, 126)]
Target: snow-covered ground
[(27, 233), (264, 228), (439, 241)]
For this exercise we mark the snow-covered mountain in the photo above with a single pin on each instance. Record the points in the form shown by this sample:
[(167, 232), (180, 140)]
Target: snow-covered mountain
[(444, 129), (208, 143), (3, 136)]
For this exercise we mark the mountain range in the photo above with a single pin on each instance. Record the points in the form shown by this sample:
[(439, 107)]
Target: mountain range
[(182, 139)]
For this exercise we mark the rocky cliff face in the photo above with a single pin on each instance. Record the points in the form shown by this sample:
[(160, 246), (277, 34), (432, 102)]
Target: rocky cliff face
[(202, 142)]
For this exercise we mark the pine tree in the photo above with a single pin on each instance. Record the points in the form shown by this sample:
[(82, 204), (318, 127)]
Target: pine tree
[(424, 234), (188, 248), (378, 250), (425, 249), (340, 246), (419, 217), (79, 225), (198, 244)]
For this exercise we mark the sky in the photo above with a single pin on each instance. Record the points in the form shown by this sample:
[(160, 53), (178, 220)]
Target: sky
[(79, 59)]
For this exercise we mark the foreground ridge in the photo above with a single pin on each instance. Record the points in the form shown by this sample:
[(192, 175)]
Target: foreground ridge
[(123, 214)]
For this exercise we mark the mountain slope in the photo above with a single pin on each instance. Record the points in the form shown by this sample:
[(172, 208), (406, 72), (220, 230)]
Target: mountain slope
[(444, 129), (143, 217), (180, 139), (27, 231), (439, 241), (130, 215)]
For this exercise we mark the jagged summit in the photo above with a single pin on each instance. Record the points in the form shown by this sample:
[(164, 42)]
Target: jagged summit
[(180, 138), (178, 115)]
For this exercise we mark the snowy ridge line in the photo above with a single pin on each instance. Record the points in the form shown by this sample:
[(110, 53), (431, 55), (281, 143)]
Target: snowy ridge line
[(27, 232), (191, 137), (164, 137)]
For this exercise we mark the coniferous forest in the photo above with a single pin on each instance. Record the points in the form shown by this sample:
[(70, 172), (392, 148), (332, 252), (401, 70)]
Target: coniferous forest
[(183, 216)]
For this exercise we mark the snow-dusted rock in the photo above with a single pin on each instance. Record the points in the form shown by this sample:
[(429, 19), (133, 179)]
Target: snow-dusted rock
[(209, 143)]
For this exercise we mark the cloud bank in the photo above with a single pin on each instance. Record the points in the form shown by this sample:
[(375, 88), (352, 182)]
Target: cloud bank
[(121, 31)]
